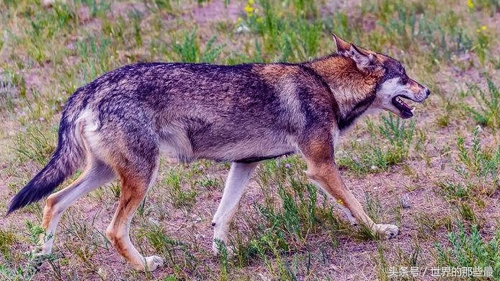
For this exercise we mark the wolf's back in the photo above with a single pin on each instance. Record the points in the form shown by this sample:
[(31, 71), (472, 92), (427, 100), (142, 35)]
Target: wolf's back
[(67, 158)]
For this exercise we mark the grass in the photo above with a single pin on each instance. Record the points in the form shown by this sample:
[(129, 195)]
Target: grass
[(469, 249), (177, 194), (397, 138), (488, 113), (445, 159), (178, 254), (189, 49), (477, 172)]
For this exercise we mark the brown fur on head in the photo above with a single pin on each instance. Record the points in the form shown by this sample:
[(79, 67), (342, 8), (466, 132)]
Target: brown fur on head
[(393, 83)]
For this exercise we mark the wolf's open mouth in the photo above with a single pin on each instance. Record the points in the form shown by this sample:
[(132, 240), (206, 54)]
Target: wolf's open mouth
[(405, 109)]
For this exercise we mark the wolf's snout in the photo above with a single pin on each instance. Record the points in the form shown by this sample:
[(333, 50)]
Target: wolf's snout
[(422, 94)]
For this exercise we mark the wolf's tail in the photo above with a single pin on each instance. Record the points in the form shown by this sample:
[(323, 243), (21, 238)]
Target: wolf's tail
[(67, 158)]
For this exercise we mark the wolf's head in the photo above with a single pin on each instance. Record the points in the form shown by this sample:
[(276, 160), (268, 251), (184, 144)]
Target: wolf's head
[(393, 85)]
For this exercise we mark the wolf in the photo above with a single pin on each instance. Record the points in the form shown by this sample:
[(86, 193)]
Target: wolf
[(118, 126)]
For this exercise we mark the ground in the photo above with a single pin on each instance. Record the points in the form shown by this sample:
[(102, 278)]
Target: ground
[(436, 175)]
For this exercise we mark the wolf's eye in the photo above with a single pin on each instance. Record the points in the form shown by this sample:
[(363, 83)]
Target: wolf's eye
[(404, 79)]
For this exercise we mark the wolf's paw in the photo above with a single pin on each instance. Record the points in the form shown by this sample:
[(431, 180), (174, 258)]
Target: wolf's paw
[(38, 256), (36, 251), (39, 252), (153, 262), (386, 231)]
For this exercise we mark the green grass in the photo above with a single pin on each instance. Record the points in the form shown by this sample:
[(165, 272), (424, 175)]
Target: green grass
[(467, 248), (189, 49), (488, 112), (177, 194), (389, 144), (480, 161), (178, 254), (286, 228)]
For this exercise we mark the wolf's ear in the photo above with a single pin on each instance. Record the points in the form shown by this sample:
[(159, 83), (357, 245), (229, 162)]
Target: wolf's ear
[(343, 47), (363, 59)]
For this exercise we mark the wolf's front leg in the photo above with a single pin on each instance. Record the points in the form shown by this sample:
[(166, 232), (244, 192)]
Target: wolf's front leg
[(321, 168), (238, 177)]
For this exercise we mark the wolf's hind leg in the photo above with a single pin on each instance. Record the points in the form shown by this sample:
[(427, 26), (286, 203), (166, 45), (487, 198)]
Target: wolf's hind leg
[(95, 175), (238, 177), (135, 183)]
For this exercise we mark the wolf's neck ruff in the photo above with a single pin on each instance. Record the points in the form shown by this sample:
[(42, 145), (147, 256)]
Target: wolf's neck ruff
[(353, 90)]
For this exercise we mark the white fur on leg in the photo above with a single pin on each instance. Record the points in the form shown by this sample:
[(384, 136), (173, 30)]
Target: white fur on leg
[(92, 178), (238, 177)]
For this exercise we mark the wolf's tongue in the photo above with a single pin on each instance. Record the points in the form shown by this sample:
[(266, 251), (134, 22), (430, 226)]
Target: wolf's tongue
[(403, 107)]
